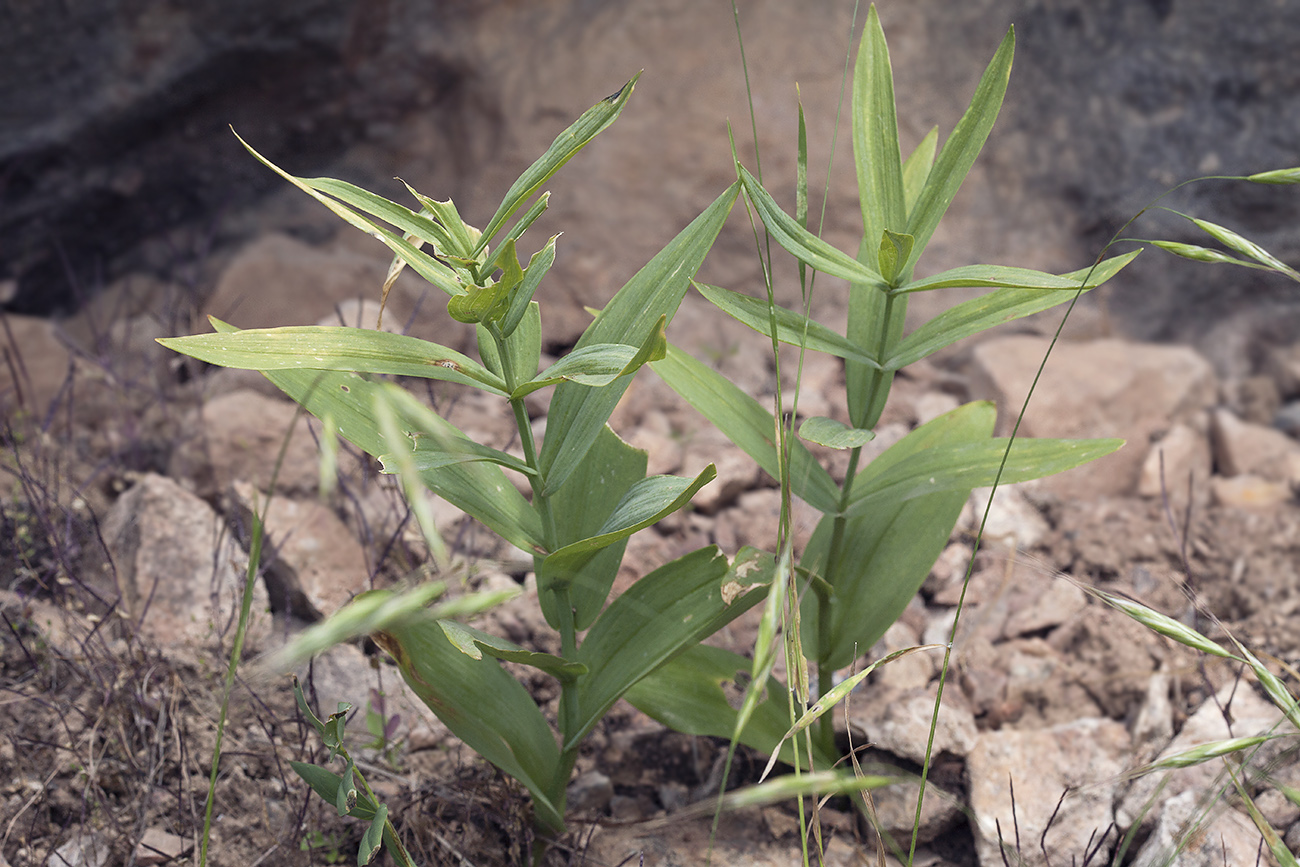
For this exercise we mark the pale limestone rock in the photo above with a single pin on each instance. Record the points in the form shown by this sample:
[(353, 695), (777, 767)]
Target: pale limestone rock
[(1183, 454), (1251, 715), (1242, 448), (1102, 388), (900, 723), (1085, 756), (1250, 492), (1227, 838), (314, 563), (179, 569)]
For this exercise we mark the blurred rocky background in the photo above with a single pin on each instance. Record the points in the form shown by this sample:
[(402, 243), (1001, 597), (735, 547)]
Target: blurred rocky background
[(116, 156)]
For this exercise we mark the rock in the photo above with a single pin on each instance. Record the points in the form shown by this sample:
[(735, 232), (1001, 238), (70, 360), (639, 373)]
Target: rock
[(1253, 399), (737, 471), (179, 570), (33, 349), (1250, 492), (590, 793), (344, 674), (1227, 838), (1282, 365), (314, 564), (159, 847), (239, 435), (900, 724), (277, 280), (1103, 388), (84, 849), (1250, 714), (1178, 465), (1153, 727), (896, 810), (1242, 448), (909, 672), (933, 404), (1084, 757), (1013, 522), (1056, 601)]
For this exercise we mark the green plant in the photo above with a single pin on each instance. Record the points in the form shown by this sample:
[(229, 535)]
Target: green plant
[(883, 524)]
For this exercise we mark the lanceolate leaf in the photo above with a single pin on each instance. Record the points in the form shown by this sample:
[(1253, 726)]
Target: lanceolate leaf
[(647, 502), (592, 122), (580, 509), (982, 313), (801, 243), (961, 149), (474, 643), (917, 168), (423, 264), (747, 424), (964, 466), (1004, 277), (888, 548), (875, 140), (336, 348), (834, 434), (578, 413), (599, 364), (688, 694), (479, 488), (482, 705), (793, 328), (667, 611), (538, 267), (434, 453)]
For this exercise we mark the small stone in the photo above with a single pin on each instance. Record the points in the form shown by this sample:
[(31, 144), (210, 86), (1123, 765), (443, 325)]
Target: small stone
[(1013, 521), (590, 793), (901, 724), (1242, 448), (1223, 837), (1085, 757), (1249, 492), (1179, 459), (1056, 602), (159, 846), (933, 404)]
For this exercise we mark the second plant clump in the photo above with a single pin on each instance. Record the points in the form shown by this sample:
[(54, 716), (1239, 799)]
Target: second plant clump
[(883, 524)]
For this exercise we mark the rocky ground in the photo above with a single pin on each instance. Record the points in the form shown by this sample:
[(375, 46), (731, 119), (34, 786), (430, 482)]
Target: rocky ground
[(131, 475)]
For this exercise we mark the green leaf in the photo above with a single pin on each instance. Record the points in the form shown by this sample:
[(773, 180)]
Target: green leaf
[(961, 149), (580, 509), (1006, 277), (801, 243), (888, 548), (917, 168), (667, 611), (964, 466), (875, 141), (895, 249), (793, 328), (995, 308), (578, 413), (423, 264), (474, 643), (875, 325), (336, 348), (538, 267), (516, 232), (345, 798), (373, 839), (687, 694), (478, 488), (599, 364), (483, 706), (326, 784), (479, 303), (747, 424), (834, 434), (313, 720), (592, 122), (455, 241), (647, 502)]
